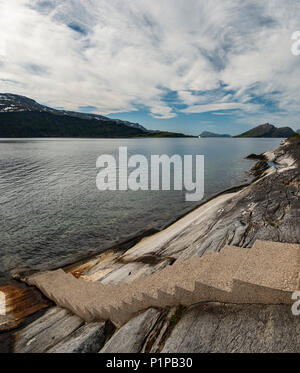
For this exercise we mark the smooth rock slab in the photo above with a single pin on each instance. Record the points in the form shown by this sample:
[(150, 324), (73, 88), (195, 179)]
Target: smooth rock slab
[(87, 339), (236, 328), (130, 337), (47, 331)]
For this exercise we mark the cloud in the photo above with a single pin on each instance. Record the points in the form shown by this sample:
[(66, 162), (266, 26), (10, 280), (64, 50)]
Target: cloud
[(220, 113), (117, 56), (219, 106)]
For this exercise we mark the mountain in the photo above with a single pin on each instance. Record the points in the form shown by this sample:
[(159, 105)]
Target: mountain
[(212, 134), (298, 131), (44, 124), (10, 103), (23, 117), (268, 130)]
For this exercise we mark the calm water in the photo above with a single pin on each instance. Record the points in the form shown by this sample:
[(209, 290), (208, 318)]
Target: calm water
[(52, 213)]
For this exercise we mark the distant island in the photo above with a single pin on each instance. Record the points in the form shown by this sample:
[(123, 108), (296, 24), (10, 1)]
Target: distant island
[(264, 130), (268, 130), (23, 117), (212, 134)]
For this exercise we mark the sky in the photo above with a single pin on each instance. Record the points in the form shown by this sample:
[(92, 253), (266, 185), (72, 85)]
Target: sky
[(174, 65)]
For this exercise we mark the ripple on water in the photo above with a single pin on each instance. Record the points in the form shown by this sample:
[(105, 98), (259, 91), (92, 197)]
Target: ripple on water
[(51, 212)]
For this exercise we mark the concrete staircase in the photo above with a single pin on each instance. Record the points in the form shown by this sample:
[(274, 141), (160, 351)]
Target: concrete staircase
[(268, 273)]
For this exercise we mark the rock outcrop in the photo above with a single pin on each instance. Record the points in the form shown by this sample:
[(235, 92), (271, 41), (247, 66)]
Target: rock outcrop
[(268, 209), (268, 273)]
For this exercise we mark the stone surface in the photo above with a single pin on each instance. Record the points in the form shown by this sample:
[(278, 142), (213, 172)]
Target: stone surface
[(255, 156), (46, 332), (259, 168), (178, 239), (132, 271), (235, 328), (130, 338), (269, 274), (87, 339)]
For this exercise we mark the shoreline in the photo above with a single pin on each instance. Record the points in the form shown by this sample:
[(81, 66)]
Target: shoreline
[(120, 247), (282, 163), (235, 216), (17, 292), (127, 239)]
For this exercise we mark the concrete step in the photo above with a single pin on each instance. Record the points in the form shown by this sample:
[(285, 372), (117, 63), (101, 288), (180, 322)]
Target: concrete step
[(270, 274), (120, 312), (220, 273), (152, 291), (267, 273), (174, 284), (186, 281), (214, 282)]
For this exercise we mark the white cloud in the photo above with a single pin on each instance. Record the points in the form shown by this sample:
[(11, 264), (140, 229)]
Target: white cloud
[(119, 56), (220, 106)]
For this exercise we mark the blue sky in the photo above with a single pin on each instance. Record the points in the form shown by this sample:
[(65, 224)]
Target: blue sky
[(192, 124), (175, 65)]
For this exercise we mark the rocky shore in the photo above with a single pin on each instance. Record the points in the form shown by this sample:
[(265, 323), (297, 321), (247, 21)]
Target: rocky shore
[(267, 209)]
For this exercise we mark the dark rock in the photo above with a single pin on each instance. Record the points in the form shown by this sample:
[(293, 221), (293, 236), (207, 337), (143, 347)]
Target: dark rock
[(259, 168), (256, 156), (21, 273), (6, 343)]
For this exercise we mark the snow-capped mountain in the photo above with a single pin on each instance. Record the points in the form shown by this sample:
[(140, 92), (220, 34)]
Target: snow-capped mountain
[(11, 103)]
